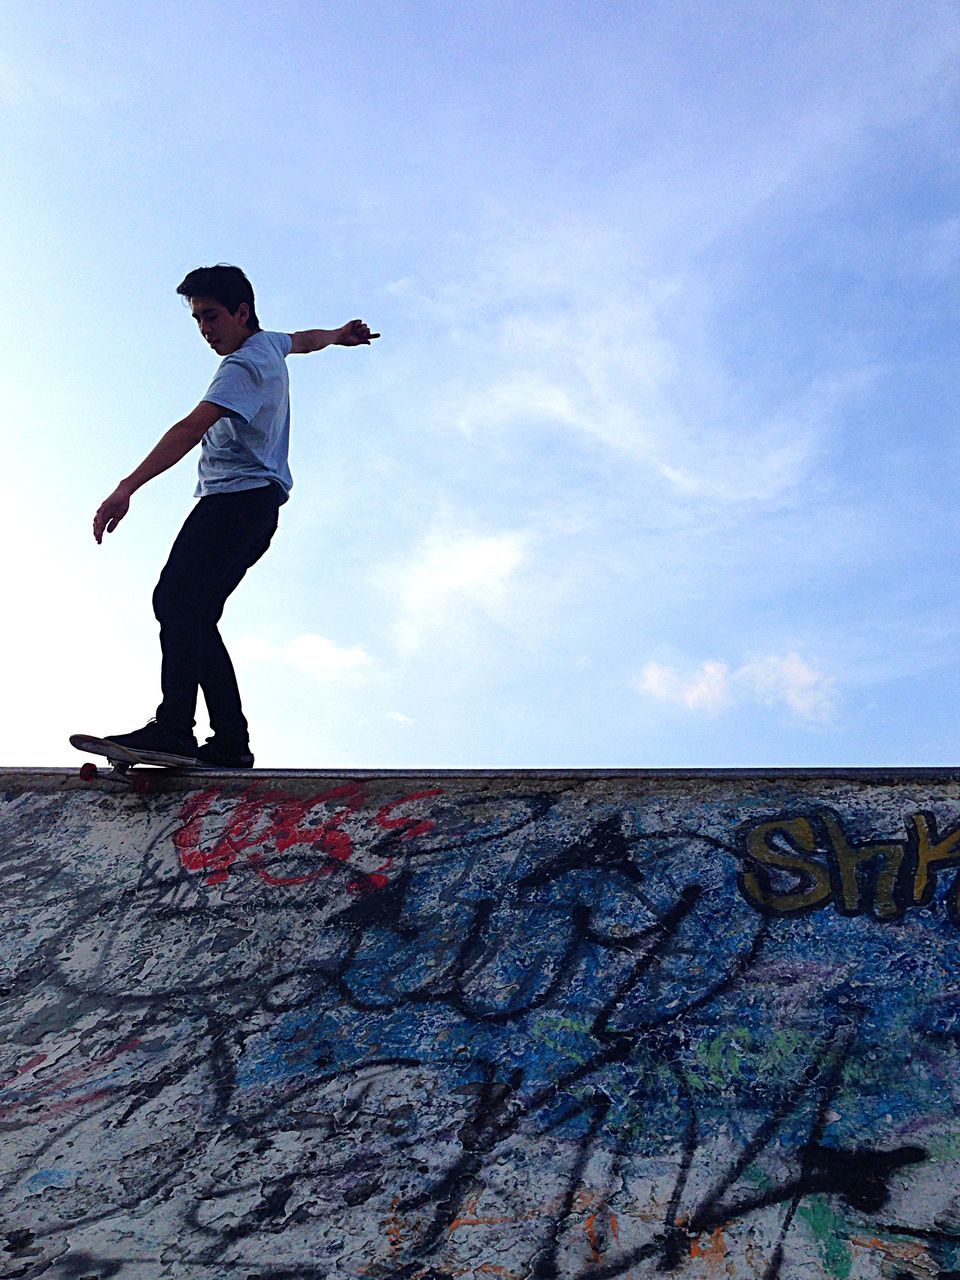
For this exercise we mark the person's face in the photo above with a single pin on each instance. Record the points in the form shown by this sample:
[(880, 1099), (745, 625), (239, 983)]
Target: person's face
[(223, 331)]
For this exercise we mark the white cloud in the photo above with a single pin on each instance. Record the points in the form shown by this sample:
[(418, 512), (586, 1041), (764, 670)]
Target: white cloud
[(808, 693), (313, 655), (773, 680), (524, 397), (399, 718), (707, 689), (579, 333), (451, 574)]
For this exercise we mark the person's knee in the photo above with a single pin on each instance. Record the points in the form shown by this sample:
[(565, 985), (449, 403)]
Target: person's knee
[(166, 601), (171, 606)]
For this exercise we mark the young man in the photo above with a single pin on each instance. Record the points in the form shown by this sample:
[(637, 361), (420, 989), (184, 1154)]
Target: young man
[(242, 425)]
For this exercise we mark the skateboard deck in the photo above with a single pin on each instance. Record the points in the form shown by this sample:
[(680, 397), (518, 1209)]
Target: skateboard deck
[(123, 759)]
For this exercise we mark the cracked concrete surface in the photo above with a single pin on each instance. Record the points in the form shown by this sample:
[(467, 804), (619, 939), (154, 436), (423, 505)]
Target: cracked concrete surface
[(534, 1024)]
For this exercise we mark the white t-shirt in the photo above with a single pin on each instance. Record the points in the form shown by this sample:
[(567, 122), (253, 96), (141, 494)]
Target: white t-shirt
[(249, 445)]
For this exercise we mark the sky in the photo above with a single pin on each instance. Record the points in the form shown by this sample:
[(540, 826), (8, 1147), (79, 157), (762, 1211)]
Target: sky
[(655, 464)]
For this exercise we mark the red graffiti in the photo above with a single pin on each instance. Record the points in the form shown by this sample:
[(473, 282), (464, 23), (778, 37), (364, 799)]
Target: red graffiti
[(414, 826), (279, 823), (32, 1094)]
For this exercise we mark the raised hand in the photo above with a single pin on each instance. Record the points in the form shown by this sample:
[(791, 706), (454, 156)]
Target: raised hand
[(355, 334)]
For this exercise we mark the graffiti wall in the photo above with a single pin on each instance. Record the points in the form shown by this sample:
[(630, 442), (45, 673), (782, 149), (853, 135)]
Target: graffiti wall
[(526, 1026)]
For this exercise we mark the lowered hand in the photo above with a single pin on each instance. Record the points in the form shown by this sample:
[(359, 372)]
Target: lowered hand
[(111, 512)]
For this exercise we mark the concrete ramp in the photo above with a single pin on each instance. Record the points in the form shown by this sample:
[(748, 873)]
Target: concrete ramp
[(515, 1025)]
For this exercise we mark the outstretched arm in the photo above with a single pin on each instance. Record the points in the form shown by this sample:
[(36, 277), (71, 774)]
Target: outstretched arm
[(169, 449), (353, 334)]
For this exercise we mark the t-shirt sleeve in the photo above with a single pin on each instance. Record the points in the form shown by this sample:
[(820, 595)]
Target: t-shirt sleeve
[(237, 386), (283, 342)]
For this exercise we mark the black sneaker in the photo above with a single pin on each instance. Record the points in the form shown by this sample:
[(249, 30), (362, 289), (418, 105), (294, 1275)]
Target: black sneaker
[(154, 737), (217, 754)]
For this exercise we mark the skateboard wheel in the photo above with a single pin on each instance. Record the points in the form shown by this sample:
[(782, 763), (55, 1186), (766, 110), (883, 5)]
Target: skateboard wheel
[(88, 771)]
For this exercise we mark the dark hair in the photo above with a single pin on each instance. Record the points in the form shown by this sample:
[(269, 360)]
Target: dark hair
[(226, 285)]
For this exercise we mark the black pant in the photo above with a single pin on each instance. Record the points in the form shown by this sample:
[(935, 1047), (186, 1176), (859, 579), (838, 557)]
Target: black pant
[(222, 537)]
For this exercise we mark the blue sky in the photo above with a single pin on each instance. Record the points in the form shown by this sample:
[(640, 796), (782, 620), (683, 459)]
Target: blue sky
[(655, 462)]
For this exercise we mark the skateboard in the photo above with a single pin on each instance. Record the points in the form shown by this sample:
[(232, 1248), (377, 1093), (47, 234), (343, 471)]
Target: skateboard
[(122, 760)]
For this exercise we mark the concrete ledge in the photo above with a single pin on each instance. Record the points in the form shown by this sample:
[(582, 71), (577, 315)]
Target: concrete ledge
[(55, 778)]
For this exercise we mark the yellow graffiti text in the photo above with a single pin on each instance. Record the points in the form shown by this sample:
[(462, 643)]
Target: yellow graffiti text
[(802, 862)]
